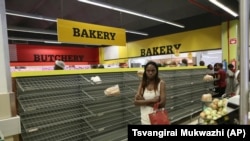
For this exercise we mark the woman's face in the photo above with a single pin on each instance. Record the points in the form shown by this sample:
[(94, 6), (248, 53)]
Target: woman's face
[(151, 71)]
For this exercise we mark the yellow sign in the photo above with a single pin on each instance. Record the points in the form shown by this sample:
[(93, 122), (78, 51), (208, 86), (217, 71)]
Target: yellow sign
[(176, 52), (84, 33), (190, 41)]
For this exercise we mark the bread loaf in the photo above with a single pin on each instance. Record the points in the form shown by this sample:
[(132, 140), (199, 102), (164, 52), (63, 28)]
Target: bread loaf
[(112, 91), (206, 97), (208, 78)]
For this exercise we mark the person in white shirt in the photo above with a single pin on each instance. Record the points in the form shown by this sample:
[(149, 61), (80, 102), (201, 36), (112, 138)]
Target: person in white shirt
[(231, 86)]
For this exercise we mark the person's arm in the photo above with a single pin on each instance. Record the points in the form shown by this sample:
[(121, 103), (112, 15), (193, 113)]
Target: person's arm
[(218, 75), (162, 102), (140, 101)]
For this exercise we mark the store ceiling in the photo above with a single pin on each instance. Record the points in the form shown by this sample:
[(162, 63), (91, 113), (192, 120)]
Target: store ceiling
[(193, 14)]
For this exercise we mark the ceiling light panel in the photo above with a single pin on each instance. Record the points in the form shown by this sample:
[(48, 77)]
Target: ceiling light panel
[(25, 15), (224, 7)]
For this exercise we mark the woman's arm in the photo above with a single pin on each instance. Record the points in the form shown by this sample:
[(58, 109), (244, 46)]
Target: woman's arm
[(140, 101), (162, 102)]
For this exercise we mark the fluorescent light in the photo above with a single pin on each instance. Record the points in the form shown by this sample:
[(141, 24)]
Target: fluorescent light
[(130, 12), (136, 32), (12, 13), (46, 19), (29, 30), (44, 41), (222, 6), (52, 42), (25, 39), (34, 40)]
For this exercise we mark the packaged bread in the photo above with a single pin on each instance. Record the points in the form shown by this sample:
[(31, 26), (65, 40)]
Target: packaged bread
[(206, 97), (112, 91), (96, 80), (208, 78)]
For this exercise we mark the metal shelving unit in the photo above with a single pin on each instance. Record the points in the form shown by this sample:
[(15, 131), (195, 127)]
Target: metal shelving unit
[(184, 89), (73, 107)]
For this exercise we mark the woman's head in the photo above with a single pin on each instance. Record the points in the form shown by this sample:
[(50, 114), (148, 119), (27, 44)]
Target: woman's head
[(219, 65), (150, 74), (150, 70), (202, 63), (184, 61), (230, 66)]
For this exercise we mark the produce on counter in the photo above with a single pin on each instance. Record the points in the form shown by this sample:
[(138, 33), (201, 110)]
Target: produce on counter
[(216, 109)]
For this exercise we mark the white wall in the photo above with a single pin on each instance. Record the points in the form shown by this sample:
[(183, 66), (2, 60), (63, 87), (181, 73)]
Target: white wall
[(211, 57)]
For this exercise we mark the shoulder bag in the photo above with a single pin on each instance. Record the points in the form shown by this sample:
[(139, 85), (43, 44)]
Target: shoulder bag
[(159, 116)]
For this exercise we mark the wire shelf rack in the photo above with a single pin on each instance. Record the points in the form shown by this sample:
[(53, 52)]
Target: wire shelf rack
[(46, 119), (50, 83), (66, 131), (73, 107), (49, 99), (184, 112), (116, 135)]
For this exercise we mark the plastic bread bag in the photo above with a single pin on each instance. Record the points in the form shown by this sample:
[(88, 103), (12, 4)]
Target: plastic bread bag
[(206, 97), (96, 80), (112, 91), (208, 78)]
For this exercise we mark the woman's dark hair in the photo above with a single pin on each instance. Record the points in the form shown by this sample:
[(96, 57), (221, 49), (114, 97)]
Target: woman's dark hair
[(215, 67), (202, 63), (209, 66), (220, 65), (184, 61), (145, 79), (230, 66)]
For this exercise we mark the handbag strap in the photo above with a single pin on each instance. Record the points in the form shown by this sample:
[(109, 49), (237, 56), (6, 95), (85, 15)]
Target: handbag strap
[(156, 105)]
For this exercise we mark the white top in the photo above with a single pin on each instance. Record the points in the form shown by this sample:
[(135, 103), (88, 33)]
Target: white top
[(145, 110)]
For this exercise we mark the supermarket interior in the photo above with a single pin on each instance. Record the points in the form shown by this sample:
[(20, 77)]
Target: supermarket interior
[(74, 70)]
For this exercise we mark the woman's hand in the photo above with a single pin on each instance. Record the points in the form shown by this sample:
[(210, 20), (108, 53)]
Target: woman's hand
[(156, 99), (139, 97)]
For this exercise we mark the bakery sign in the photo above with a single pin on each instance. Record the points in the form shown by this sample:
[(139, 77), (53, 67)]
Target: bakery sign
[(161, 50), (85, 33)]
